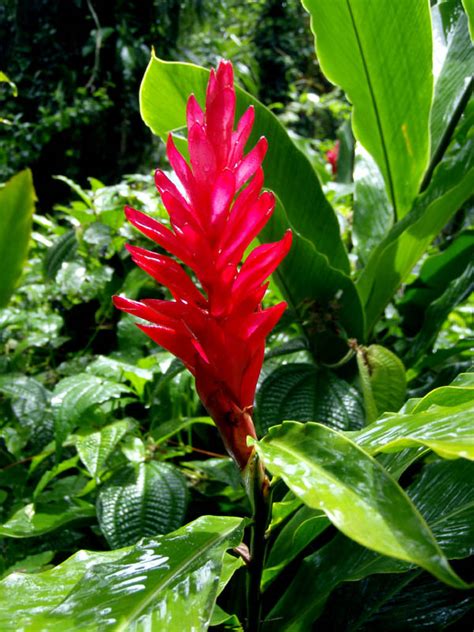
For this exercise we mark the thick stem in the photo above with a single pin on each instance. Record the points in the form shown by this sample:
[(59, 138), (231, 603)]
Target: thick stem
[(258, 489)]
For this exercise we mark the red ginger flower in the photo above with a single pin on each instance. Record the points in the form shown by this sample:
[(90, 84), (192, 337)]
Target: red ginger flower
[(218, 331), (332, 156)]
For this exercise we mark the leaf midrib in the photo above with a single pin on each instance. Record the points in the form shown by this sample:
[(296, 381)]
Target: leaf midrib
[(378, 119)]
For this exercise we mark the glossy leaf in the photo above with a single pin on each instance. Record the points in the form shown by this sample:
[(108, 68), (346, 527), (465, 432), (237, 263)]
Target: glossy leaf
[(94, 448), (354, 45), (454, 75), (317, 245), (36, 519), (448, 431), (167, 583), (373, 213), (343, 560), (143, 499), (24, 597), (383, 380), (74, 395), (329, 472), (391, 263), (17, 205), (460, 391), (303, 393)]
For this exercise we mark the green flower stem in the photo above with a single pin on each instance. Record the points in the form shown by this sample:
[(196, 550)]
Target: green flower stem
[(258, 489)]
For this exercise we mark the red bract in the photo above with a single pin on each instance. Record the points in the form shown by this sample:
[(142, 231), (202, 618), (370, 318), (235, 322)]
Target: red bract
[(332, 157), (216, 327)]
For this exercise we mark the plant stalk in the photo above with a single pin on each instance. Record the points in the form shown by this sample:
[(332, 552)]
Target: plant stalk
[(258, 489)]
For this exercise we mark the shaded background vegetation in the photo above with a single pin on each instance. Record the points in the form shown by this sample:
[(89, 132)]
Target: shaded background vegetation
[(78, 66)]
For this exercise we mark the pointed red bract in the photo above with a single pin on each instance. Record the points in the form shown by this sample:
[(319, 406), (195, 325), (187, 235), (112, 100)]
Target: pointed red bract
[(216, 327)]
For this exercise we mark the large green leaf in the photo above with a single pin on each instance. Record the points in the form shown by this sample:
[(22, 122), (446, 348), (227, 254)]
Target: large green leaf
[(373, 213), (169, 583), (17, 204), (454, 67), (26, 596), (329, 472), (143, 499), (393, 260), (355, 44), (317, 246), (448, 431), (343, 560), (303, 392)]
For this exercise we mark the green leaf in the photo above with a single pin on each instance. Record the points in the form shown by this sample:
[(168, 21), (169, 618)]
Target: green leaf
[(119, 371), (51, 474), (303, 392), (469, 8), (448, 431), (77, 189), (434, 276), (169, 583), (143, 499), (329, 472), (168, 429), (5, 79), (383, 380), (460, 391), (317, 245), (391, 263), (344, 560), (456, 292), (74, 396), (373, 213), (324, 298), (36, 519), (454, 67), (355, 45), (63, 249), (410, 602), (298, 532), (17, 205), (31, 403), (25, 597), (94, 448)]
